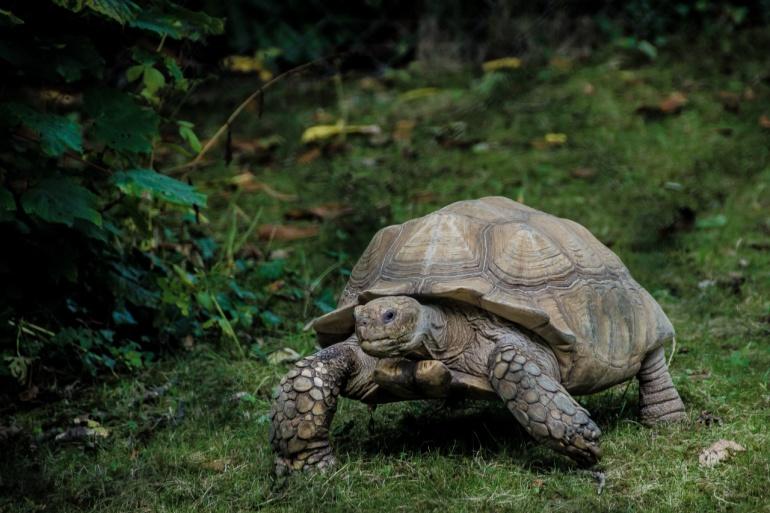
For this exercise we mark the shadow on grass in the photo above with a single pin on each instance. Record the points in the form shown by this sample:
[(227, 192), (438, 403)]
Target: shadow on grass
[(466, 429)]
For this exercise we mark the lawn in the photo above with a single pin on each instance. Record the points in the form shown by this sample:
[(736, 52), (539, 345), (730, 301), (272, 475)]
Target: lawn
[(667, 162)]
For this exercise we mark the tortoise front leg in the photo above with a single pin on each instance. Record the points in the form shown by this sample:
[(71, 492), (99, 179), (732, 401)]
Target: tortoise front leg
[(520, 372), (307, 399)]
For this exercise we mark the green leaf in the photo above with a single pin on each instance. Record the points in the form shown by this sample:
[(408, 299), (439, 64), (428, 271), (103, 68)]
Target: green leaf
[(187, 133), (141, 183), (57, 133), (176, 22), (176, 74), (647, 49), (121, 11), (119, 122), (60, 200), (134, 72), (153, 80)]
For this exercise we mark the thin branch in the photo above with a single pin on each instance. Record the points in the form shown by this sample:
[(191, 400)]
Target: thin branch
[(259, 93)]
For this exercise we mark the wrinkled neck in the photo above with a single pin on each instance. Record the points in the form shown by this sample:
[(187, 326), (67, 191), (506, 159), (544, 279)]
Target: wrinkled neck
[(447, 332)]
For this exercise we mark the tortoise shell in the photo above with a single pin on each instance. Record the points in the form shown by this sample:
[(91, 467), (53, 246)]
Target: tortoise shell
[(547, 274)]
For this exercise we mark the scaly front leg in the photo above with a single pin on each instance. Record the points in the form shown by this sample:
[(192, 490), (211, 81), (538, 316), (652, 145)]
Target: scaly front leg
[(307, 399)]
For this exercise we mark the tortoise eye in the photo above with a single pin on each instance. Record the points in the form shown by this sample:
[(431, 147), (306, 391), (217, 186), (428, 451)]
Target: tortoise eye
[(388, 316)]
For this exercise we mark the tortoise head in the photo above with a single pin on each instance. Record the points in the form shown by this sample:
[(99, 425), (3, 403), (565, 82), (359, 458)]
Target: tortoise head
[(392, 326)]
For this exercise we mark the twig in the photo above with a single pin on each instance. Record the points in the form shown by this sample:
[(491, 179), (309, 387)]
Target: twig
[(259, 93)]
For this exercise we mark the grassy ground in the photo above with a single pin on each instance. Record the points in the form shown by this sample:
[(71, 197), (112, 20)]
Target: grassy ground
[(683, 198)]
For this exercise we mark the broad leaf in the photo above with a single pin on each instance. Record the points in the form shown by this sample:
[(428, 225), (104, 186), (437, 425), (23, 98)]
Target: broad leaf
[(119, 10), (146, 182), (177, 22), (60, 200), (119, 122), (57, 133)]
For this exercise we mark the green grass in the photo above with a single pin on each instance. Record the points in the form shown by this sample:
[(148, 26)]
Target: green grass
[(684, 200)]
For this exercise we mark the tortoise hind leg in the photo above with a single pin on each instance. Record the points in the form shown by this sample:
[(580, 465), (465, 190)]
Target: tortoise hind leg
[(531, 390), (658, 399)]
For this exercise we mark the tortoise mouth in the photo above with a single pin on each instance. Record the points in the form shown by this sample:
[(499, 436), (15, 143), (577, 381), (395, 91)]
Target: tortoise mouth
[(383, 347)]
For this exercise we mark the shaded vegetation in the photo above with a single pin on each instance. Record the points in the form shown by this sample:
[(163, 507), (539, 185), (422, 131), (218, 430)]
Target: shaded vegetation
[(677, 186), (656, 140)]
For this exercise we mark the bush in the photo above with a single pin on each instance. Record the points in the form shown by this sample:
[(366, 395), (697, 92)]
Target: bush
[(104, 259)]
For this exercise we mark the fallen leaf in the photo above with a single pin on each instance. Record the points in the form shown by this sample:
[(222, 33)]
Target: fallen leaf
[(324, 212), (248, 182), (764, 121), (321, 132), (555, 138), (719, 451), (588, 89), (286, 232), (416, 94), (423, 197), (256, 145), (749, 95), (309, 156), (248, 64), (502, 63), (673, 103), (550, 140), (284, 355), (583, 172), (403, 130)]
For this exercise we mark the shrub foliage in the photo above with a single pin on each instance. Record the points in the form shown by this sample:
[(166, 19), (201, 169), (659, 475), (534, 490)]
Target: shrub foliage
[(97, 244)]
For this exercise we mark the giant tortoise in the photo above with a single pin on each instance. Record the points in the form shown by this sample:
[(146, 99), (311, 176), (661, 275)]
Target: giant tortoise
[(483, 298)]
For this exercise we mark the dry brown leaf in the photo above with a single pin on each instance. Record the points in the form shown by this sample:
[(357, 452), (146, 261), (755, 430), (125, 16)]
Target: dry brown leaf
[(583, 172), (248, 182), (403, 130), (673, 103), (423, 196), (764, 121), (256, 145), (719, 451), (323, 212), (588, 89), (286, 232), (309, 156)]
